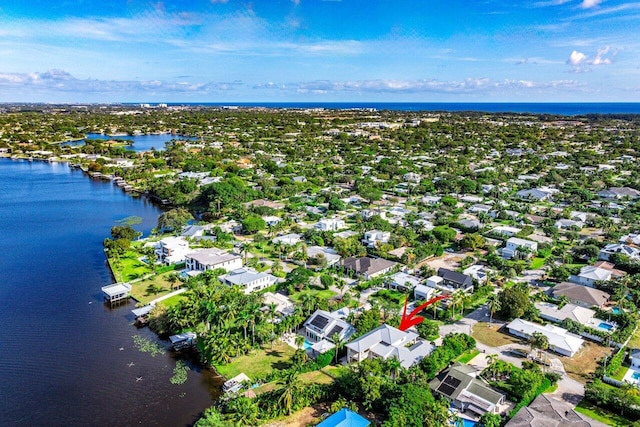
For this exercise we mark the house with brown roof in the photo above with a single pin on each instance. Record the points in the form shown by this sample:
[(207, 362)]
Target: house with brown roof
[(368, 267), (580, 295)]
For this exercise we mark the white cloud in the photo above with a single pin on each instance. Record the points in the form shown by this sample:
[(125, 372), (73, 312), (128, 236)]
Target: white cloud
[(576, 58), (588, 4), (599, 58), (62, 81)]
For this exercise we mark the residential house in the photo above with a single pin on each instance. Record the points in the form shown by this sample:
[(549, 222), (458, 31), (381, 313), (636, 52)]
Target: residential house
[(619, 193), (561, 341), (549, 411), (567, 224), (195, 230), (345, 234), (470, 224), (412, 177), (504, 230), (516, 245), (386, 342), (248, 279), (480, 208), (322, 325), (576, 313), (619, 248), (330, 224), (403, 281), (374, 238), (288, 239), (266, 203), (431, 200), (424, 292), (345, 418), (536, 194), (172, 250), (271, 220), (634, 358), (282, 303), (630, 239), (367, 214), (460, 385), (211, 259), (478, 272), (453, 281), (329, 254), (580, 295), (368, 267), (602, 271)]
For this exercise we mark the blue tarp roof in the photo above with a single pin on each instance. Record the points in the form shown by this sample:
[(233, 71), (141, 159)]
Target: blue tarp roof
[(345, 418)]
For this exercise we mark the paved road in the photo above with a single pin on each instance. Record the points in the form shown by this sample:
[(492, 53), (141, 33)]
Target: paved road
[(568, 390)]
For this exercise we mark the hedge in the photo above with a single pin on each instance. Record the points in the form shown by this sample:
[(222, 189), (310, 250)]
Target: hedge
[(528, 398)]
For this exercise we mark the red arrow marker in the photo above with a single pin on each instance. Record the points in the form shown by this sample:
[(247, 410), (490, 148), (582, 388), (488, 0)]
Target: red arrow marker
[(413, 319)]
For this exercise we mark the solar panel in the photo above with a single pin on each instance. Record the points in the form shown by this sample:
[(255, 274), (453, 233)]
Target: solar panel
[(453, 382), (335, 330), (446, 389), (320, 322)]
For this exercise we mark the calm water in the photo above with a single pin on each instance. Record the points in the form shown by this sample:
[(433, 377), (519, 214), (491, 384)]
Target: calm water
[(140, 142), (559, 108), (64, 356)]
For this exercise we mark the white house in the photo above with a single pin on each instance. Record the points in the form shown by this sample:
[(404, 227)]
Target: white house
[(423, 292), (412, 177), (330, 224), (403, 281), (560, 340), (618, 248), (172, 250), (271, 220), (283, 304), (387, 342), (322, 325), (514, 244), (634, 357), (374, 238), (211, 259), (506, 230), (590, 274), (248, 279), (329, 254), (478, 272), (288, 239), (431, 200)]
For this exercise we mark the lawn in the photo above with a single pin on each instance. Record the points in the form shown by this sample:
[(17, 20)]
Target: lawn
[(322, 294), (325, 375), (468, 356), (584, 363), (171, 301), (150, 288), (488, 335), (128, 267), (259, 362), (552, 388), (602, 415), (620, 374), (536, 263), (634, 342)]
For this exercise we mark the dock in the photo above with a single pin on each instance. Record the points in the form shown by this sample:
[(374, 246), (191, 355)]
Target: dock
[(184, 340), (117, 292)]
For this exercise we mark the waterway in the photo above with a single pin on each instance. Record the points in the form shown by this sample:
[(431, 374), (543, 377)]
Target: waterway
[(139, 142), (65, 357)]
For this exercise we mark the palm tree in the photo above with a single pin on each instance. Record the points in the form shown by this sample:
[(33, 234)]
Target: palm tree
[(299, 340), (494, 305), (491, 363), (435, 306), (339, 342), (456, 299), (290, 388), (393, 365)]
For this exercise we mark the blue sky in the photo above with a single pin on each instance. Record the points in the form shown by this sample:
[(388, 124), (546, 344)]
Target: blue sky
[(320, 50)]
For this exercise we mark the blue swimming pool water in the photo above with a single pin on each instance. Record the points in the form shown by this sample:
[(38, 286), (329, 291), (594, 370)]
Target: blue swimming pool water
[(307, 345), (605, 326), (468, 423), (616, 310), (636, 375)]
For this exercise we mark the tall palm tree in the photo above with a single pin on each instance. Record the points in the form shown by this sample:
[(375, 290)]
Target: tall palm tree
[(494, 305), (394, 366), (289, 389), (491, 362), (339, 342)]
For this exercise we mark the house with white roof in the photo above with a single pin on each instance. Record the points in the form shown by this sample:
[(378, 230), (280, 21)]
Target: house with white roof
[(431, 200), (271, 220), (330, 224), (374, 238), (478, 272), (576, 313), (385, 342), (248, 279), (211, 259), (322, 325), (505, 230), (283, 304), (288, 239), (566, 224), (329, 254), (536, 194), (619, 248), (514, 244), (424, 292), (172, 250), (591, 274), (403, 281), (561, 341), (630, 239)]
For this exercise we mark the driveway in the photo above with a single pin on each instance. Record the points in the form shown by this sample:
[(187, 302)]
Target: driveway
[(569, 390)]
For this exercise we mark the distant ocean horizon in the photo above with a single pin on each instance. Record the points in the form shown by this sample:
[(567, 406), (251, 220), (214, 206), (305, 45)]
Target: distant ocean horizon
[(554, 108)]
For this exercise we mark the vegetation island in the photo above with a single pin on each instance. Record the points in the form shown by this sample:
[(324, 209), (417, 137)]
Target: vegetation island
[(290, 240)]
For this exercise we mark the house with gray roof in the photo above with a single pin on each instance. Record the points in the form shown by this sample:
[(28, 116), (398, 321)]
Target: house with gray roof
[(368, 267), (618, 248), (322, 325), (534, 194), (211, 259), (460, 385), (619, 193), (548, 411), (403, 281), (580, 295), (386, 342), (561, 341), (248, 279), (453, 281)]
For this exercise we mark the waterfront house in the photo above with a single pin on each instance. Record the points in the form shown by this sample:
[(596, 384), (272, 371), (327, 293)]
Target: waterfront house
[(248, 279), (461, 386), (386, 342), (117, 292), (211, 259), (323, 325), (172, 250)]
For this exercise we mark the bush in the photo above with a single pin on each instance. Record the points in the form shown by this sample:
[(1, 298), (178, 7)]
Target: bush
[(453, 345)]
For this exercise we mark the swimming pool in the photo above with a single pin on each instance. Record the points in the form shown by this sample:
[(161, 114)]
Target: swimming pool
[(605, 326), (468, 423), (636, 376), (307, 345), (617, 310)]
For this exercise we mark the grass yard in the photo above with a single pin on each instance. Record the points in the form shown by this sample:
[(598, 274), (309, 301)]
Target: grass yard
[(552, 388), (322, 294), (634, 342), (584, 363), (325, 375), (536, 263), (150, 288), (602, 415), (171, 301), (620, 374), (128, 267), (304, 417), (468, 356), (258, 362), (488, 334)]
